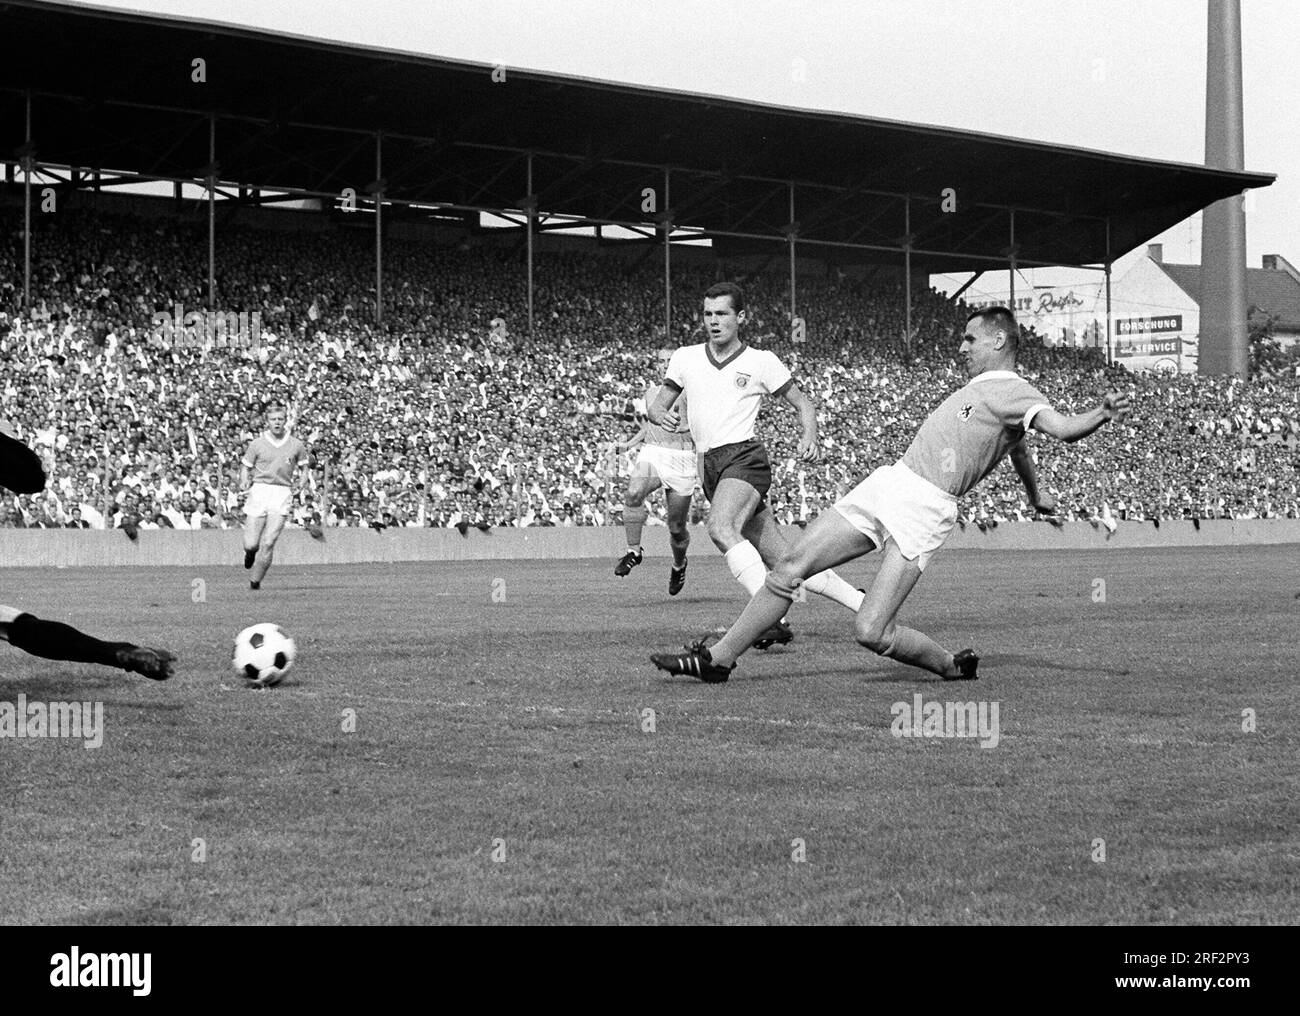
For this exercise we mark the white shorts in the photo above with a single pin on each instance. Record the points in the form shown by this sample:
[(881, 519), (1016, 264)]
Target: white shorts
[(893, 503), (267, 499), (675, 467)]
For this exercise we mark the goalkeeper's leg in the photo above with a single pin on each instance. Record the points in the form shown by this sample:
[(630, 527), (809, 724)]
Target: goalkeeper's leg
[(54, 641)]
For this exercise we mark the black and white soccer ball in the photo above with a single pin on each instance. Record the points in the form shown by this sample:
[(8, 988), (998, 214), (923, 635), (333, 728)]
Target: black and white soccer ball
[(263, 655)]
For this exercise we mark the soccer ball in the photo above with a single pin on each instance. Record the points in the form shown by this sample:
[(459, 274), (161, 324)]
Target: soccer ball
[(263, 654)]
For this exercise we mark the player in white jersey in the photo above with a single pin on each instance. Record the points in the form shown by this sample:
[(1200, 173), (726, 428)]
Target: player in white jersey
[(906, 510), (270, 462), (666, 459), (725, 380), (22, 472)]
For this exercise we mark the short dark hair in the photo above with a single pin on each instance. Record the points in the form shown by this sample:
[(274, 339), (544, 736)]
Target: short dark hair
[(731, 289), (998, 318)]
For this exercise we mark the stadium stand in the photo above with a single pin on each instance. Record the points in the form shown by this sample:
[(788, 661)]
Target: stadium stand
[(446, 418)]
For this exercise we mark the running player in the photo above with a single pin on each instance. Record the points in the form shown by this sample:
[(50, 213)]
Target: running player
[(666, 459), (724, 380), (907, 509), (21, 472), (271, 461)]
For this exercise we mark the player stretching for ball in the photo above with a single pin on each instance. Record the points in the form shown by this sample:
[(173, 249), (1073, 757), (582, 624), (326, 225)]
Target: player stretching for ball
[(271, 460), (666, 459), (906, 510), (725, 380), (21, 472)]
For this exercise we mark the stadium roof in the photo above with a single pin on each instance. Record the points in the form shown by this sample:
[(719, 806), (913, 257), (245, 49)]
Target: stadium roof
[(112, 91)]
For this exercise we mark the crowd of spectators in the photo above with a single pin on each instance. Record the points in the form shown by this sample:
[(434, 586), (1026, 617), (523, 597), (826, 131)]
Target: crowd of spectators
[(446, 416)]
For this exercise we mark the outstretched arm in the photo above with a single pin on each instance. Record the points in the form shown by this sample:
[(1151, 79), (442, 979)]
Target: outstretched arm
[(809, 448), (1080, 425)]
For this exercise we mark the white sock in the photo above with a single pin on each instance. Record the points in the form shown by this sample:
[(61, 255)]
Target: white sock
[(747, 566), (830, 585)]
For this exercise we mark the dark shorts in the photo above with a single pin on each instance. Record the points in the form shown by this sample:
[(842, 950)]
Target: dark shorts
[(744, 460)]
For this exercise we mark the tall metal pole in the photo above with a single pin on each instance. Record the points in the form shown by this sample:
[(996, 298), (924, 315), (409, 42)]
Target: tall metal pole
[(668, 275), (379, 229), (793, 280), (907, 273), (1225, 340), (28, 159), (1110, 353), (212, 211), (1011, 252), (531, 210)]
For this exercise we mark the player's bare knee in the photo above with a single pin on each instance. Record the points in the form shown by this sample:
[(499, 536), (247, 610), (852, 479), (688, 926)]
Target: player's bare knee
[(872, 634), (783, 584), (723, 533)]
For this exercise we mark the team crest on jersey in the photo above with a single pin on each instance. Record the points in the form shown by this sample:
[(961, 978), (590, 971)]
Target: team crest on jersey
[(742, 380), (965, 411)]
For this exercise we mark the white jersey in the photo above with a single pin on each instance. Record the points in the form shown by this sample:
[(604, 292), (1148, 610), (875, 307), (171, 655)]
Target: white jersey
[(724, 395)]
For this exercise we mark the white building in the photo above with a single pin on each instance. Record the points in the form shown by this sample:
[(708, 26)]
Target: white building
[(1155, 310)]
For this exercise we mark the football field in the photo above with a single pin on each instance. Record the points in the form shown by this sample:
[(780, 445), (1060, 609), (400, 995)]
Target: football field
[(487, 742)]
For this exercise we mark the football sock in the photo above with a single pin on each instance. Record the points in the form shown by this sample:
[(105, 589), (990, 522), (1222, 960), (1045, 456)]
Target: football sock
[(262, 565), (634, 517), (919, 650), (763, 610), (746, 565), (54, 641), (679, 542), (830, 585)]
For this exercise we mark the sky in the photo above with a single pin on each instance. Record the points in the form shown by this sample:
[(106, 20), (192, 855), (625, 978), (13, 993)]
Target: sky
[(1124, 76)]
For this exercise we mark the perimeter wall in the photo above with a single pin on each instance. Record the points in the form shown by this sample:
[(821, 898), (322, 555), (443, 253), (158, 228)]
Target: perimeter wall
[(81, 548)]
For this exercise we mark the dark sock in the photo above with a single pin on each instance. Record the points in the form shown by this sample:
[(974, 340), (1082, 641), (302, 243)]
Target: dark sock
[(54, 641), (249, 557)]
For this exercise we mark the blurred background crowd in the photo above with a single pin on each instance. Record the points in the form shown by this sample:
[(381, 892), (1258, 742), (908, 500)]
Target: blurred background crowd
[(447, 416)]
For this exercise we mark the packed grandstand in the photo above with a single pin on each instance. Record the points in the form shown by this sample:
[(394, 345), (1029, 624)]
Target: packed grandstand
[(450, 416)]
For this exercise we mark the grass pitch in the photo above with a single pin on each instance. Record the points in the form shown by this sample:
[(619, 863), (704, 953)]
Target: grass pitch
[(503, 767)]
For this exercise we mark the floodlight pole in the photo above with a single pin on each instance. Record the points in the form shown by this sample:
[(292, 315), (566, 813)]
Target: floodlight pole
[(668, 246)]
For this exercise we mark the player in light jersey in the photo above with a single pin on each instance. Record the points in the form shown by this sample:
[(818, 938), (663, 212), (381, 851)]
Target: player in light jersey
[(666, 459), (907, 509), (21, 471), (725, 380), (271, 460)]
